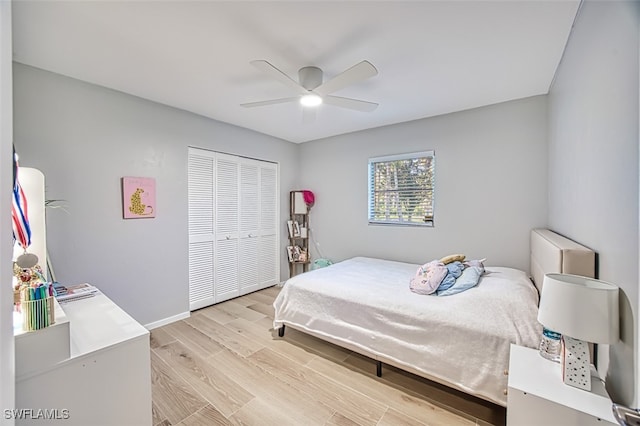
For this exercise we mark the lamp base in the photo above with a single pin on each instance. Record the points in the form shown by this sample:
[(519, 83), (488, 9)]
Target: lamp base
[(576, 368)]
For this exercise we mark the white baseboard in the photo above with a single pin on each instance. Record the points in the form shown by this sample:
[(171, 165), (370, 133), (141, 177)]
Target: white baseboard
[(167, 320)]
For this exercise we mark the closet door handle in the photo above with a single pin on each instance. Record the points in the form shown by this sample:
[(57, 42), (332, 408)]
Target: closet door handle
[(228, 237), (250, 236)]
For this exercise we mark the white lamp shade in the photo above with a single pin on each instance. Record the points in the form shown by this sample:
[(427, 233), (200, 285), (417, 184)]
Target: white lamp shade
[(580, 307)]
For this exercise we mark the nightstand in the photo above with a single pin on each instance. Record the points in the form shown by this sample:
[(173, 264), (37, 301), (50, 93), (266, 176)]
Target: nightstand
[(538, 396)]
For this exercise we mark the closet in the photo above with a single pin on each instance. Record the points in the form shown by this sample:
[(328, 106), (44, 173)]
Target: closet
[(233, 226)]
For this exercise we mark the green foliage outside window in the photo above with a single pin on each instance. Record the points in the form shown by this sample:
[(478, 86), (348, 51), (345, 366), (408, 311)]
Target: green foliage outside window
[(401, 190)]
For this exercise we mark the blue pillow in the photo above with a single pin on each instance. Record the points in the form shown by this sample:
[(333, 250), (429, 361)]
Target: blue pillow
[(469, 278), (454, 270)]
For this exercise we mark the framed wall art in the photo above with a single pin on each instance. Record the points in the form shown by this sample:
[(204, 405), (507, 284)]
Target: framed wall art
[(138, 197)]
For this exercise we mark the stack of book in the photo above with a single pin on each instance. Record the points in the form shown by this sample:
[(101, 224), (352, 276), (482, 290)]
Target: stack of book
[(74, 292)]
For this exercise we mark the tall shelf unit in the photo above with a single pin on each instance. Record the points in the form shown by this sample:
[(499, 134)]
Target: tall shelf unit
[(298, 233)]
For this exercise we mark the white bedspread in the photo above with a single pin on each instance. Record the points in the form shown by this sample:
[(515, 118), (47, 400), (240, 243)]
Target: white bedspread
[(461, 340)]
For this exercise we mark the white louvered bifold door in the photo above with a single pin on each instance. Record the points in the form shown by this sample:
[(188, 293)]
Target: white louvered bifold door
[(201, 171), (249, 224), (268, 259), (233, 226), (226, 229)]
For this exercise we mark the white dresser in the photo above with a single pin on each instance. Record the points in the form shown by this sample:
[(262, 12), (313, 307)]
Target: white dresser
[(104, 380)]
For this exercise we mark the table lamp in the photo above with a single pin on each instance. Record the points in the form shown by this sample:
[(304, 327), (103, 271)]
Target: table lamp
[(582, 310)]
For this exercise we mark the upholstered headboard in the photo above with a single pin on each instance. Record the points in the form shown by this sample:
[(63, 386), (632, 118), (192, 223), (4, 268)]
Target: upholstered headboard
[(553, 253)]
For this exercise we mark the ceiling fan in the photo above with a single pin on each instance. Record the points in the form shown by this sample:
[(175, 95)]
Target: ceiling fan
[(312, 91)]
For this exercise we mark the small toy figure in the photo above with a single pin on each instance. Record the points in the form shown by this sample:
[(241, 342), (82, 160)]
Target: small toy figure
[(27, 277)]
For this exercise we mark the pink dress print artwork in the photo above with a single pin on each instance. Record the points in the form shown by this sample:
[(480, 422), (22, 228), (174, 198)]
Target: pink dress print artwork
[(138, 197)]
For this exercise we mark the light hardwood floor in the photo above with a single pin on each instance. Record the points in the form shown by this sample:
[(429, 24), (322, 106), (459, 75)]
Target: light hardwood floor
[(225, 365)]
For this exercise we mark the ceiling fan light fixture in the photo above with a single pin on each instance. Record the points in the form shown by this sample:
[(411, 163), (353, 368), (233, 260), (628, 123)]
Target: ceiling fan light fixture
[(310, 100), (311, 90)]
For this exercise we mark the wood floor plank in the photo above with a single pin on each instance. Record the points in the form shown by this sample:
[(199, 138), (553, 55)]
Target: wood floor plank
[(339, 420), (159, 337), (212, 383), (261, 297), (206, 416), (174, 398), (263, 308), (267, 323), (297, 405), (272, 291), (239, 311), (259, 412), (243, 300), (265, 336), (214, 314), (194, 339), (251, 330), (394, 418), (223, 335), (315, 345), (354, 405), (156, 415)]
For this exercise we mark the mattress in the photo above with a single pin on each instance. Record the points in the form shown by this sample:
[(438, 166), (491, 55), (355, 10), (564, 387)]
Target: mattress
[(462, 340)]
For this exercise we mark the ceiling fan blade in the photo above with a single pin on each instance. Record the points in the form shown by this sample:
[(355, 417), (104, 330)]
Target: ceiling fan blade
[(274, 72), (269, 102), (356, 73), (354, 104)]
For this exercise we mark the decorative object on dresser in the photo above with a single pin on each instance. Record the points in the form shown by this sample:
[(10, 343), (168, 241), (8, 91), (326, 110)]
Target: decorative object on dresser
[(550, 345), (584, 310)]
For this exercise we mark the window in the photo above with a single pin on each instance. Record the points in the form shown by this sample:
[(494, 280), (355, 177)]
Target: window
[(401, 189)]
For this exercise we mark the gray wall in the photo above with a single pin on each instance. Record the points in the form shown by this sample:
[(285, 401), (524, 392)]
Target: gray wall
[(491, 186), (593, 160), (84, 138)]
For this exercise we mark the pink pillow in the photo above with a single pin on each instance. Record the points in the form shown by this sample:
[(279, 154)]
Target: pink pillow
[(428, 277)]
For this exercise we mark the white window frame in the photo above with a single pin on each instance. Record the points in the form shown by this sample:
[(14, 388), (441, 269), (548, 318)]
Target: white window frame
[(371, 192)]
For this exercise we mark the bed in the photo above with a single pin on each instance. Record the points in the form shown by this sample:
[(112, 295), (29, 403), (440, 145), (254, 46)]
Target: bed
[(462, 341)]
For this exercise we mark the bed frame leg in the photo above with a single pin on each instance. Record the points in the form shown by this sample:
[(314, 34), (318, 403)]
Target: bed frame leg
[(379, 368), (281, 331)]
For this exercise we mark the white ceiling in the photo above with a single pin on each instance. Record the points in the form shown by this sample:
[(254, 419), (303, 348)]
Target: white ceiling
[(433, 57)]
